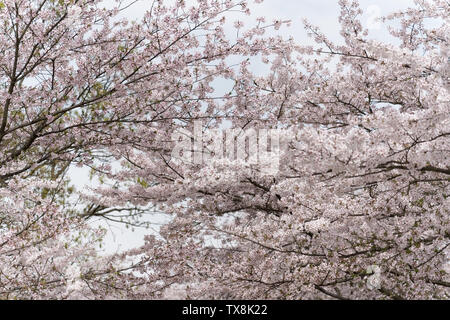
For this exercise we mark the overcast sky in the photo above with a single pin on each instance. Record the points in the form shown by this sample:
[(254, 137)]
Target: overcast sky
[(323, 13)]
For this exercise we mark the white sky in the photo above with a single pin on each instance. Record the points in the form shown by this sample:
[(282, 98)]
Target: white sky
[(323, 13)]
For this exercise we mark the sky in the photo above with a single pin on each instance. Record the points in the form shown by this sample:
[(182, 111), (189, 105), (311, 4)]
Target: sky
[(322, 13)]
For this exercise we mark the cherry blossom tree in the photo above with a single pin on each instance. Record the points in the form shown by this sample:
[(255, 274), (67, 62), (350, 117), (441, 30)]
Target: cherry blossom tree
[(81, 85), (359, 208)]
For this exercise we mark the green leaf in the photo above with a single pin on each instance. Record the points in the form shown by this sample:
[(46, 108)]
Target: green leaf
[(142, 182)]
